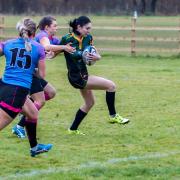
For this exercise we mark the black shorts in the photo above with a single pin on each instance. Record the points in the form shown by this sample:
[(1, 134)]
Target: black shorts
[(12, 98), (78, 80), (38, 85)]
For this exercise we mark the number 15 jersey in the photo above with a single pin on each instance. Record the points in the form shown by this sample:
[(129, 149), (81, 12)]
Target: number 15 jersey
[(20, 64)]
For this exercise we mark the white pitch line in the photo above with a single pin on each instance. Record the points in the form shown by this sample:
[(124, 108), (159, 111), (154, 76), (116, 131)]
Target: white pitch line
[(90, 164)]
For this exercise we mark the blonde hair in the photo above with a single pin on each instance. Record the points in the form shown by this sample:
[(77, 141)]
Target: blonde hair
[(26, 28)]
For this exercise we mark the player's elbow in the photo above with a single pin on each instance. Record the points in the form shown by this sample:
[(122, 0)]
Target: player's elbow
[(42, 74), (47, 47)]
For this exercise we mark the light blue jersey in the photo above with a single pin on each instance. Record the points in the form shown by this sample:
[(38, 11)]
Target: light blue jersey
[(20, 64)]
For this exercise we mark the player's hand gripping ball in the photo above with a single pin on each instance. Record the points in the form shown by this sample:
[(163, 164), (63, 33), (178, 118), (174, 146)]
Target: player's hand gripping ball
[(86, 55)]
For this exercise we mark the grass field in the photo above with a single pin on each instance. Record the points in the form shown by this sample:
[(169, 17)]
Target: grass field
[(147, 148), (147, 92)]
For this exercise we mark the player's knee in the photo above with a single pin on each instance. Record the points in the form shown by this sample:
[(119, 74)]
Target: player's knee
[(112, 86), (50, 94), (91, 103), (40, 103)]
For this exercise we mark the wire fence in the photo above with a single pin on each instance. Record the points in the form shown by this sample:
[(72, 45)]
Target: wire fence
[(129, 39)]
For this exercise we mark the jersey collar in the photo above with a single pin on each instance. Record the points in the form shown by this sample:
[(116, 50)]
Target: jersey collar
[(78, 39)]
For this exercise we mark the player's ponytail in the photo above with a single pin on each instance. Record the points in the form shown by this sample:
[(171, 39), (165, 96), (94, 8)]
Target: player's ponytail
[(26, 28), (82, 20), (73, 24), (24, 34)]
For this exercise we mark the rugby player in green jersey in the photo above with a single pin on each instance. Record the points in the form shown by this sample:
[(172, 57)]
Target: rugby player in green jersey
[(78, 75)]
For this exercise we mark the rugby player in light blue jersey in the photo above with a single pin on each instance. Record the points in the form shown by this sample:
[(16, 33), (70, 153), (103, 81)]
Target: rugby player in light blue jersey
[(41, 90), (23, 55)]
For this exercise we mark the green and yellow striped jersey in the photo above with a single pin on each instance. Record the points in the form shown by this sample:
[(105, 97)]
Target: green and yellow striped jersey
[(74, 61)]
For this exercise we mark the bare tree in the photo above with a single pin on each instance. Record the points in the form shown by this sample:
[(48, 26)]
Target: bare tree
[(143, 6), (153, 6), (135, 5), (115, 7)]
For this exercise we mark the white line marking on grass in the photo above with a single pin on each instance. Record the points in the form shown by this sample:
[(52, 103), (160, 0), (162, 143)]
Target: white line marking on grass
[(89, 165)]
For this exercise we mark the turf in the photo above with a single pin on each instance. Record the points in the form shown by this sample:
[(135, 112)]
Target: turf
[(147, 93)]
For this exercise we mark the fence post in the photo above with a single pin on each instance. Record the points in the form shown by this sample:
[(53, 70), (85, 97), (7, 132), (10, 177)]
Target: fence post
[(133, 36), (1, 26)]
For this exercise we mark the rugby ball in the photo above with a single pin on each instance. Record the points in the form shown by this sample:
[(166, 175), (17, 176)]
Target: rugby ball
[(88, 49)]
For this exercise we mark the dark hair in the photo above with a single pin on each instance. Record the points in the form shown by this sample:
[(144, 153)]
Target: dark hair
[(82, 20), (45, 21)]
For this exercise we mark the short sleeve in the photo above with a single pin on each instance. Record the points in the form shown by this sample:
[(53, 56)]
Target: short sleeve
[(40, 36), (56, 41), (42, 54), (2, 46)]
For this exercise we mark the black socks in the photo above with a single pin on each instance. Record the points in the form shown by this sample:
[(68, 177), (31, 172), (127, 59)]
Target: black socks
[(79, 117), (22, 122), (31, 132), (110, 100)]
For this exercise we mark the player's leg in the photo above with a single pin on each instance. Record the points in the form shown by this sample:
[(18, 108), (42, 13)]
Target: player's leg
[(31, 112), (49, 91), (37, 96), (38, 100), (30, 109), (89, 101), (5, 119), (99, 83), (12, 99)]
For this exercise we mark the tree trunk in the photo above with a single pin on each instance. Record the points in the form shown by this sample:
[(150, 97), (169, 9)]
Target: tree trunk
[(134, 5), (143, 6), (153, 6)]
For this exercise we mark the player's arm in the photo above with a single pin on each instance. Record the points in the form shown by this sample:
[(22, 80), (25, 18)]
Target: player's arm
[(41, 68), (55, 48), (77, 54), (1, 49), (96, 56), (41, 71)]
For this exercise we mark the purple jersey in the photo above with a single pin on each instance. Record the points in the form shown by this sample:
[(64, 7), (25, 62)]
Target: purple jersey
[(53, 40), (1, 45)]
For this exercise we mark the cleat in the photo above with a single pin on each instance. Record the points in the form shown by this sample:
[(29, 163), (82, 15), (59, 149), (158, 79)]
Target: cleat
[(118, 119), (75, 132), (41, 148), (19, 132)]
